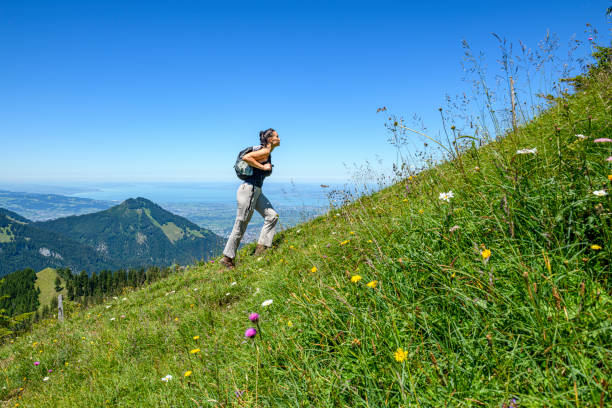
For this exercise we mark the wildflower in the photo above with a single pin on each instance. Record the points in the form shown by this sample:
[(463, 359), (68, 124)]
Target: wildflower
[(527, 151), (610, 177), (176, 319), (600, 193), (289, 323), (421, 211), (372, 284), (581, 136), (345, 242), (401, 355), (250, 332), (603, 140), (238, 393), (444, 196), (46, 379), (123, 316), (355, 278), (194, 351), (313, 269), (167, 378), (50, 370), (595, 247), (486, 253), (233, 283), (352, 232), (453, 228), (112, 318), (476, 168), (196, 337), (187, 373), (609, 159), (405, 200), (369, 241), (37, 363), (267, 302), (254, 317)]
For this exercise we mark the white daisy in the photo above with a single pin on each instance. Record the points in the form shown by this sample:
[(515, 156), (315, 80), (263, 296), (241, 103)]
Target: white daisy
[(527, 151), (46, 379), (167, 378), (581, 136), (446, 196), (267, 302), (600, 193)]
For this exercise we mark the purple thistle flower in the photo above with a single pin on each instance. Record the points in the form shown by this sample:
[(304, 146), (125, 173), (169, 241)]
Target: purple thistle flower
[(50, 370), (36, 363), (250, 332), (238, 393), (603, 140), (609, 159), (254, 317)]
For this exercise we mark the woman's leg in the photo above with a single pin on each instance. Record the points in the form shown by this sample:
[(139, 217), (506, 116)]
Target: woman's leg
[(264, 207), (247, 195)]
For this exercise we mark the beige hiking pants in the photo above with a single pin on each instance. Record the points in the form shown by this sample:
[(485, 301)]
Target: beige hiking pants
[(251, 198)]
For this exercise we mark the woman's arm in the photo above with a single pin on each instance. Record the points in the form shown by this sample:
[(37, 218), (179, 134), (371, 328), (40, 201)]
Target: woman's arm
[(254, 158)]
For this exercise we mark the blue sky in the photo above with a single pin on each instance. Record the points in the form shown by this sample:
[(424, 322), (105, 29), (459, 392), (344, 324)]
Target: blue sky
[(172, 90)]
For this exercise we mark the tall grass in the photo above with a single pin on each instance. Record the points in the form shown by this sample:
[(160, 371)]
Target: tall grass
[(499, 296)]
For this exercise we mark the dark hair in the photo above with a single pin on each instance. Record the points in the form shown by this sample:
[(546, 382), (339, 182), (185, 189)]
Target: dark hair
[(264, 135)]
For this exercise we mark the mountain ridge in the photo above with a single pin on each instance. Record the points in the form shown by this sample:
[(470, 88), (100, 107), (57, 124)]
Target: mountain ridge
[(134, 233)]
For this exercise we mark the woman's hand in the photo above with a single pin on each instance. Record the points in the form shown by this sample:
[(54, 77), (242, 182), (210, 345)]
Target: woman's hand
[(255, 158)]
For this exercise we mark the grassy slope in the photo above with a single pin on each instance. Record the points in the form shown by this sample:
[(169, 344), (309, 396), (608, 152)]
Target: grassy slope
[(532, 323), (45, 280)]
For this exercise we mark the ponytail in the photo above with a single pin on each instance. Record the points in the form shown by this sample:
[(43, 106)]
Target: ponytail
[(264, 135)]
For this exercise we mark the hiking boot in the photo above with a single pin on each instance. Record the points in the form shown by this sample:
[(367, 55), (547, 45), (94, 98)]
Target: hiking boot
[(227, 262), (260, 249)]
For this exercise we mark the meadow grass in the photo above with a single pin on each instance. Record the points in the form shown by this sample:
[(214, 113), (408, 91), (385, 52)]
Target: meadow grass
[(45, 280), (498, 296)]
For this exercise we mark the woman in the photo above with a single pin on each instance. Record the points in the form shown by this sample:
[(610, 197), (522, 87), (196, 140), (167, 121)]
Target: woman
[(251, 198)]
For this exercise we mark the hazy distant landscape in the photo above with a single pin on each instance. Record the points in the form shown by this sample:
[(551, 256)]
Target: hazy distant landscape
[(209, 205)]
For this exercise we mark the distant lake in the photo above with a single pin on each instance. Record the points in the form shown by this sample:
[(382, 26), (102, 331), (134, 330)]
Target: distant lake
[(286, 194)]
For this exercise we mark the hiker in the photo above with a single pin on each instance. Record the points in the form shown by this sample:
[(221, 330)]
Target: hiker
[(251, 198)]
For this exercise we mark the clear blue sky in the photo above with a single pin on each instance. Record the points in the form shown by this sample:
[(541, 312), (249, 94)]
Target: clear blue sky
[(172, 90)]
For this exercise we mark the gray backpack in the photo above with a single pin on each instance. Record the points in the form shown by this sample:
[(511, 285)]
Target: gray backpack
[(242, 168)]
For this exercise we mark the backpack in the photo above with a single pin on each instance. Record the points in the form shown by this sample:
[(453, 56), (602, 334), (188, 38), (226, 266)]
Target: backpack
[(242, 168)]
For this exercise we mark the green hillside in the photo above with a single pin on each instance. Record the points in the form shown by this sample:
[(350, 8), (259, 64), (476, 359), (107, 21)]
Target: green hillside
[(24, 245), (139, 233), (45, 280), (495, 295)]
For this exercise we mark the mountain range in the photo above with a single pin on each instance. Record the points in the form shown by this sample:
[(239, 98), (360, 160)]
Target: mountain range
[(134, 233)]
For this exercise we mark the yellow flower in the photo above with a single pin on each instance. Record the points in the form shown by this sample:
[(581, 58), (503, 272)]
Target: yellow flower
[(313, 269), (486, 254), (610, 177), (352, 232), (187, 373), (176, 319), (289, 323), (595, 247), (291, 247), (194, 351), (421, 211), (372, 284), (192, 305), (369, 241), (355, 278), (401, 355), (345, 242), (196, 337), (405, 200)]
